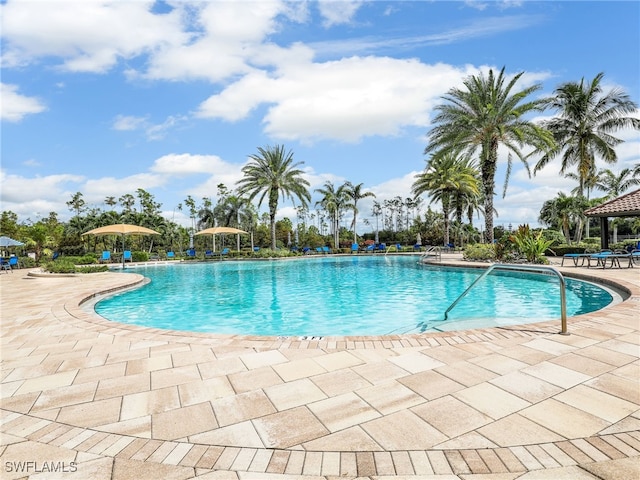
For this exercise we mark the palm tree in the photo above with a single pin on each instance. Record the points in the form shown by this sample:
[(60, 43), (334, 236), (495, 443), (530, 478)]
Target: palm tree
[(271, 173), (334, 201), (615, 185), (355, 193), (484, 115), (562, 211), (582, 130), (445, 177)]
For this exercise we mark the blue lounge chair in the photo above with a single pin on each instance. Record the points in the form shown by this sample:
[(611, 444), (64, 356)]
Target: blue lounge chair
[(171, 256), (382, 247), (371, 248), (326, 250), (319, 249), (225, 251), (306, 250), (575, 257), (355, 247), (191, 252), (106, 256), (4, 265), (599, 258), (398, 247), (208, 254), (126, 256)]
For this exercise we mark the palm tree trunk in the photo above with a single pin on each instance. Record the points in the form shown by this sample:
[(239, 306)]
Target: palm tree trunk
[(488, 168)]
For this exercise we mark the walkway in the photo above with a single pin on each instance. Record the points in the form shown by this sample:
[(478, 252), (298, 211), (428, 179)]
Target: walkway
[(93, 399)]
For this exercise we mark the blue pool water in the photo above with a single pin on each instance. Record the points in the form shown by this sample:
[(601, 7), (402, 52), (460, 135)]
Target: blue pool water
[(328, 296)]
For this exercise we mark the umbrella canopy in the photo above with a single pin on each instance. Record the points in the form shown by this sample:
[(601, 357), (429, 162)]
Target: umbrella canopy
[(215, 230), (122, 229), (9, 242)]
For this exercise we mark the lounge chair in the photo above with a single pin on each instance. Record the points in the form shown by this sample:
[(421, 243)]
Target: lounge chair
[(382, 247), (225, 251), (191, 252), (599, 258), (208, 254), (319, 249), (575, 257), (106, 257), (355, 247), (4, 265), (398, 247), (326, 250), (370, 248), (126, 256), (171, 256)]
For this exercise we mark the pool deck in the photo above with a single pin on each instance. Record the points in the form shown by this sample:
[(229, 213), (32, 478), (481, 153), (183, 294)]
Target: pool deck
[(93, 399)]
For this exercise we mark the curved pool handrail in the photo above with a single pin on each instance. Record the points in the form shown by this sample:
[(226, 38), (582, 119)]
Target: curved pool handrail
[(529, 268)]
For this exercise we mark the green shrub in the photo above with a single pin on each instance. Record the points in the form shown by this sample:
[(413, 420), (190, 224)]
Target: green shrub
[(138, 256), (479, 252), (92, 269), (62, 265)]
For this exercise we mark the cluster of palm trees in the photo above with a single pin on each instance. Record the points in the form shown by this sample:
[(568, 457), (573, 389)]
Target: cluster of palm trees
[(488, 113)]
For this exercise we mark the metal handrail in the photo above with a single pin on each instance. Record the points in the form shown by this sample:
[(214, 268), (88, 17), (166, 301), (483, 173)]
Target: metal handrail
[(435, 252), (530, 268)]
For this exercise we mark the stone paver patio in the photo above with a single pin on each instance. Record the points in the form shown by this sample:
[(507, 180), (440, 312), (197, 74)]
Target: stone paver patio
[(86, 398)]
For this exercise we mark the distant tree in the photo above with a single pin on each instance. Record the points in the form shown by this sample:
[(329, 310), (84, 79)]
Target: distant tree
[(334, 201), (272, 173), (355, 193), (77, 204)]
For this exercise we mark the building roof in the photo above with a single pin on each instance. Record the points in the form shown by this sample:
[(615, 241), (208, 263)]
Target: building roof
[(627, 205)]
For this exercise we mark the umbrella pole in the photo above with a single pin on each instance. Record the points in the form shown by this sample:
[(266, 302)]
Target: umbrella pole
[(123, 251)]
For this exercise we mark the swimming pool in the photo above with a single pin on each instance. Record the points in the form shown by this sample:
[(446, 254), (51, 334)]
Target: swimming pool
[(341, 295)]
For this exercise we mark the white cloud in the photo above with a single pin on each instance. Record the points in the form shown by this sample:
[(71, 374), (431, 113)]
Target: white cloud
[(336, 12), (128, 122), (15, 106), (89, 36), (344, 100)]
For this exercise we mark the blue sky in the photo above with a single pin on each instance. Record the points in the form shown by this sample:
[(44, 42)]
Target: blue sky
[(108, 97)]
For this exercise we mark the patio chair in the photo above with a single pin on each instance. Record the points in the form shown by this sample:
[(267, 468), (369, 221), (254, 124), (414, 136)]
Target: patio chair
[(4, 265), (355, 247), (126, 256), (225, 251), (575, 257), (106, 257), (191, 252), (326, 250), (171, 256), (208, 254)]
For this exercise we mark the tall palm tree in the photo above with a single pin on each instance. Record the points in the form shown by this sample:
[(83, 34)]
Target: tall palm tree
[(584, 125), (334, 201), (445, 177), (272, 173), (355, 193), (485, 114)]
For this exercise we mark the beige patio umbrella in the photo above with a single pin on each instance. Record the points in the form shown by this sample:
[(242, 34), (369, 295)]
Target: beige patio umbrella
[(122, 229), (216, 230)]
